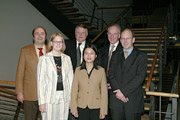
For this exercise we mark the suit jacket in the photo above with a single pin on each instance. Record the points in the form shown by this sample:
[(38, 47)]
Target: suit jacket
[(104, 55), (47, 78), (128, 75), (91, 92), (26, 75), (72, 52)]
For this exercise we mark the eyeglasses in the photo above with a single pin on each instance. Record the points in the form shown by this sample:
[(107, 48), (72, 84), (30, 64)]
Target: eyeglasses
[(56, 42), (126, 38)]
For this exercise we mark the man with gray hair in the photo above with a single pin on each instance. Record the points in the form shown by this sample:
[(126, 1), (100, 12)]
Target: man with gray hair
[(106, 53)]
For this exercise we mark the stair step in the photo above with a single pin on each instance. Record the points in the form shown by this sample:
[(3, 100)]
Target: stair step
[(147, 49), (77, 18), (146, 29), (147, 34), (142, 31), (149, 45), (146, 41), (68, 8), (61, 2), (86, 22), (72, 14)]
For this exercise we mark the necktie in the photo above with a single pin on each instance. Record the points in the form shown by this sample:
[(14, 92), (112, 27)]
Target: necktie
[(126, 54), (40, 52), (78, 54), (110, 55)]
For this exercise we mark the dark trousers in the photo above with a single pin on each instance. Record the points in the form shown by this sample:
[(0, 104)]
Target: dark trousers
[(31, 110), (71, 117), (108, 116), (88, 114), (119, 114)]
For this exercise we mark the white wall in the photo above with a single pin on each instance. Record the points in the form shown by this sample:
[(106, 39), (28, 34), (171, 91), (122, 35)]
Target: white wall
[(17, 19)]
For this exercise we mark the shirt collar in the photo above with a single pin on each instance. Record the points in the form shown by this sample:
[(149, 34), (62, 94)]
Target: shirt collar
[(44, 47), (82, 44), (115, 44), (129, 51)]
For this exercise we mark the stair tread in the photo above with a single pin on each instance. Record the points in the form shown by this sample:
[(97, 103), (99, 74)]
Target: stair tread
[(68, 8), (61, 2)]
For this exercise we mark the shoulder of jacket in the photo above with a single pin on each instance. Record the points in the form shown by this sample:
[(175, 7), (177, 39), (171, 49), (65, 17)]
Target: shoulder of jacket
[(27, 47)]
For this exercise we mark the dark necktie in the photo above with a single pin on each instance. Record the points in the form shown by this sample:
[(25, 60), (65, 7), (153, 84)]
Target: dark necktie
[(78, 55), (40, 52)]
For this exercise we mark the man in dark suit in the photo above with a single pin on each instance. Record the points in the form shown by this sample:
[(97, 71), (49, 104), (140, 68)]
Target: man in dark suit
[(126, 75), (75, 47), (106, 52)]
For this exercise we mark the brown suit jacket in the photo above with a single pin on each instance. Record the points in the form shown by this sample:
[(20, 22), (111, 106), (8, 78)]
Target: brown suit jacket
[(26, 75), (91, 92)]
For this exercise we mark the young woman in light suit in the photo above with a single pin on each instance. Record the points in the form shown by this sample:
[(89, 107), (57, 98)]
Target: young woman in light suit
[(89, 90), (55, 76)]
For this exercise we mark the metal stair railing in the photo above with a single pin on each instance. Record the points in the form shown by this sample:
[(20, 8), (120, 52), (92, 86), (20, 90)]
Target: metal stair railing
[(150, 85)]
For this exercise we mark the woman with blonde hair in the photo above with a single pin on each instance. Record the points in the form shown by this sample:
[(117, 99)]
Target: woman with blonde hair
[(55, 76)]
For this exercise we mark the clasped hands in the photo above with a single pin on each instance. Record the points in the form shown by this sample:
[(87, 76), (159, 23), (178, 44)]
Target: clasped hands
[(119, 95)]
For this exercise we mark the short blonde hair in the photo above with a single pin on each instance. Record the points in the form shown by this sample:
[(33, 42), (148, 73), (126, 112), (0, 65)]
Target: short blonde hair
[(51, 40)]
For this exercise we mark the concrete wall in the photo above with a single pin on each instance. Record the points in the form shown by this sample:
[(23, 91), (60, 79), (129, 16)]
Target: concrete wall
[(17, 19)]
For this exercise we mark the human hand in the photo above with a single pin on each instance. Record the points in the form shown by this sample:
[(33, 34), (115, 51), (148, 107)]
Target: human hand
[(120, 96), (42, 107), (20, 97), (75, 114), (101, 116)]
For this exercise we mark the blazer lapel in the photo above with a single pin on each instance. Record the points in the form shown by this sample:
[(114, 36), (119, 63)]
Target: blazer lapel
[(63, 61), (129, 61), (51, 59), (34, 54)]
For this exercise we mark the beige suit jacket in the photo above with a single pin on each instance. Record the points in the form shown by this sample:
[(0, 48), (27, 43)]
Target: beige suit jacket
[(26, 75), (91, 92), (47, 79)]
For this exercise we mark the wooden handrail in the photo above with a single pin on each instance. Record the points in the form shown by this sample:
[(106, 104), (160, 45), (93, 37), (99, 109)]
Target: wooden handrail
[(7, 82), (178, 78), (10, 97), (113, 6), (113, 22), (8, 91), (156, 55), (162, 94)]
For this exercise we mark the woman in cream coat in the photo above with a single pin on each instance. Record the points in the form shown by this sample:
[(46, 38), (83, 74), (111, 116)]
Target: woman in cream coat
[(55, 75)]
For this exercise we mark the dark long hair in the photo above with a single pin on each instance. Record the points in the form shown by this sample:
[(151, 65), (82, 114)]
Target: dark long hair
[(83, 65)]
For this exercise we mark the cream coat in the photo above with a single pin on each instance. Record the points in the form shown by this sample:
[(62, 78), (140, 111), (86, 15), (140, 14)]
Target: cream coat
[(47, 79)]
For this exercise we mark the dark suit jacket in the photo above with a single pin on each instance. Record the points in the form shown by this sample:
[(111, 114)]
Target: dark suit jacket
[(104, 54), (128, 75), (71, 51)]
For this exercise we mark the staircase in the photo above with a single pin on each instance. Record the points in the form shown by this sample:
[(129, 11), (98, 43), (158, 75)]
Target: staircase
[(74, 15), (147, 40)]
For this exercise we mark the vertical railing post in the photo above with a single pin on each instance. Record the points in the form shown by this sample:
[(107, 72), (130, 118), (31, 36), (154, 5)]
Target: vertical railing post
[(165, 45), (17, 111), (174, 108), (160, 69), (102, 18), (160, 107), (152, 103)]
